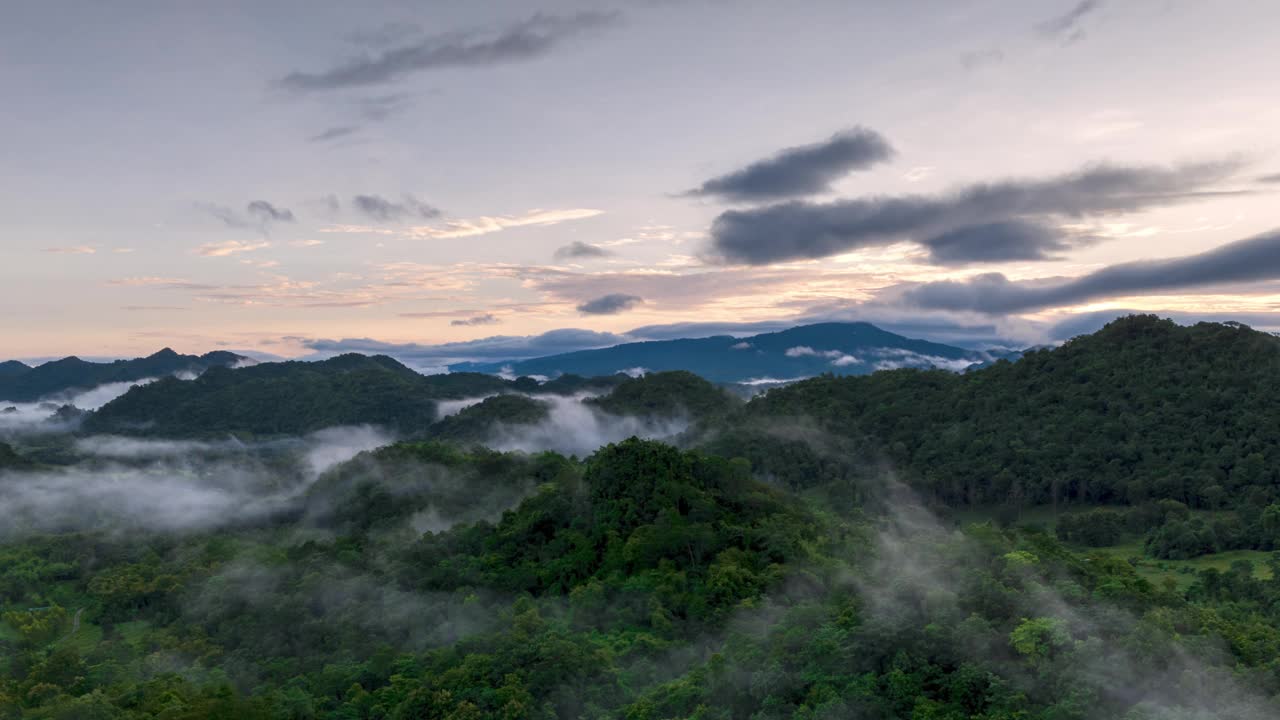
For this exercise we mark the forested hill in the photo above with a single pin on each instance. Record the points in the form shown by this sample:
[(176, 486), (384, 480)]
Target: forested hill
[(299, 397), (641, 581), (20, 383), (1144, 408), (289, 397)]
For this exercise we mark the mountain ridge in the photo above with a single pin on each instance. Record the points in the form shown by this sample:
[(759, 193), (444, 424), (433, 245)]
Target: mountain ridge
[(71, 373), (852, 348)]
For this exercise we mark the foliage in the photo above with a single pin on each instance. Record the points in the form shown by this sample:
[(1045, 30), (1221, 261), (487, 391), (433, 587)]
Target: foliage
[(667, 394), (779, 569)]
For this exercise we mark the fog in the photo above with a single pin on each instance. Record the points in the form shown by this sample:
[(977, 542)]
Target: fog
[(922, 568), (895, 358), (133, 484), (445, 408), (574, 427), (38, 417)]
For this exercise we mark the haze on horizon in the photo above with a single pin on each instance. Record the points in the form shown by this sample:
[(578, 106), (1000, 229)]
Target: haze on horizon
[(296, 178)]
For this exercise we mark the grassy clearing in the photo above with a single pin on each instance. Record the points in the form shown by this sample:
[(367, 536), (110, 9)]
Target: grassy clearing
[(1183, 572), (134, 632), (83, 640)]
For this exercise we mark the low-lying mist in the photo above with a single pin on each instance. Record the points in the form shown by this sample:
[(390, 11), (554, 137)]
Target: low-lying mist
[(127, 483), (574, 427), (42, 416)]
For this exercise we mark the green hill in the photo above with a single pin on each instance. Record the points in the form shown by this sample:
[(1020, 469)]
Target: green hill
[(1142, 408), (288, 398), (667, 394)]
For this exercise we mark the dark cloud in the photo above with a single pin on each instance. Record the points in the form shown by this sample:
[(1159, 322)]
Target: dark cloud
[(1270, 178), (674, 331), (996, 242), (524, 40), (362, 112), (611, 304), (482, 319), (257, 214), (381, 209), (802, 230), (802, 170), (263, 211), (578, 249), (334, 133), (1067, 26), (385, 36), (381, 107), (1252, 260), (975, 59)]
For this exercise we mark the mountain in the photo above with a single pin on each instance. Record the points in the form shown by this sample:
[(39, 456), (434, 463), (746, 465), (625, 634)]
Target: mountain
[(71, 373), (12, 369), (840, 348)]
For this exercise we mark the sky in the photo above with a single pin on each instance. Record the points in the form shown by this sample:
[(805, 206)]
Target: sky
[(472, 180)]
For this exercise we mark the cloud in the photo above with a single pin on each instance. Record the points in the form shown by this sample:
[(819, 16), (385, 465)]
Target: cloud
[(75, 250), (806, 351), (491, 224), (334, 133), (579, 249), (525, 40), (257, 214), (483, 319), (165, 283), (573, 427), (263, 211), (229, 247), (1067, 27), (380, 107), (381, 209), (806, 230), (610, 304), (998, 241), (1270, 178), (974, 59), (1252, 260), (178, 486), (305, 243), (802, 170)]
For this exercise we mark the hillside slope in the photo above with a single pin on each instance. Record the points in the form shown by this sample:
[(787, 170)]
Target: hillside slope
[(1142, 408)]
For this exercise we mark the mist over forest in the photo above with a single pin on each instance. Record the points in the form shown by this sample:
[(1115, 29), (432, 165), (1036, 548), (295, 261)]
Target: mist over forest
[(1087, 531)]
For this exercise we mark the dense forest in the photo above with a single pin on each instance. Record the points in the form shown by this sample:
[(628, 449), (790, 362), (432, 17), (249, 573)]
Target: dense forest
[(286, 398), (1084, 533)]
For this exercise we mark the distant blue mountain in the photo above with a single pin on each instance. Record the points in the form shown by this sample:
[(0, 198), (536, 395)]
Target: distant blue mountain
[(21, 383), (841, 348)]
